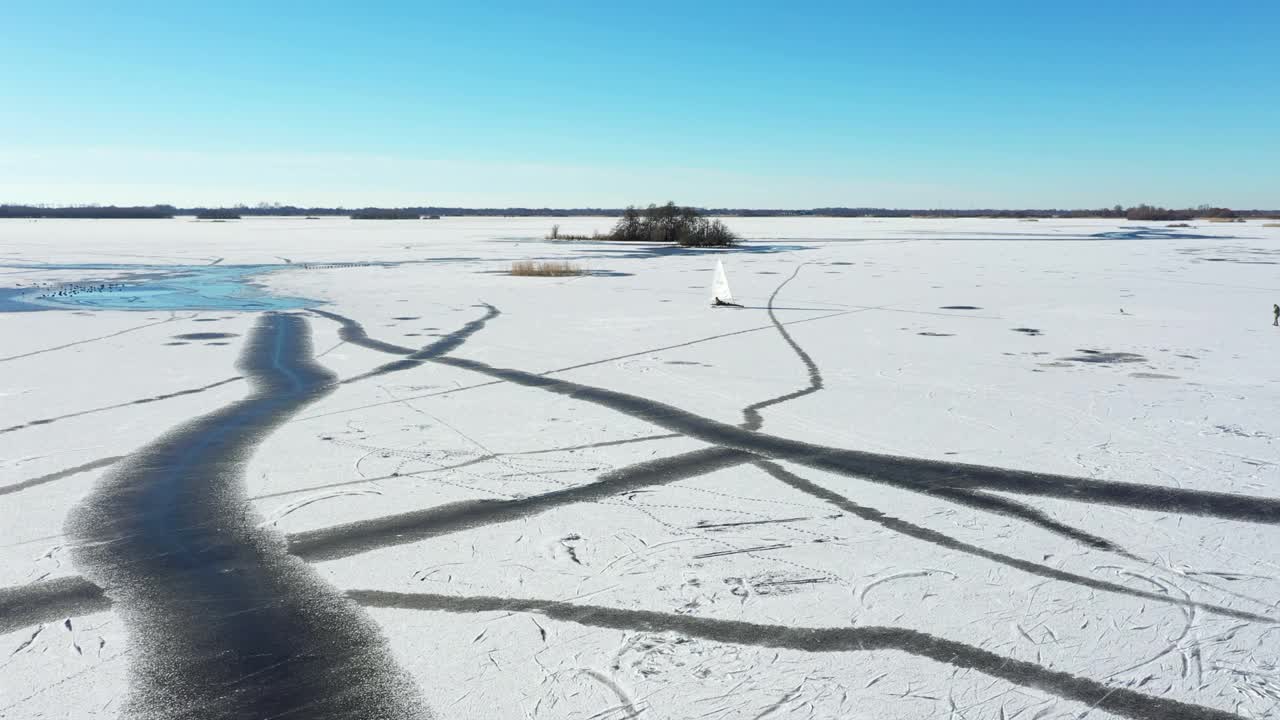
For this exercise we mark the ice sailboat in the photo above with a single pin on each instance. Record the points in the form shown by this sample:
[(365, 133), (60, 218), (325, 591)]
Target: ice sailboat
[(721, 296)]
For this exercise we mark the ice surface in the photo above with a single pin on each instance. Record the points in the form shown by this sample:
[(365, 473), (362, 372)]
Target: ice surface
[(530, 546)]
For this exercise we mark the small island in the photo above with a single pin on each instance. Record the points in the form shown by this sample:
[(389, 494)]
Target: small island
[(670, 223)]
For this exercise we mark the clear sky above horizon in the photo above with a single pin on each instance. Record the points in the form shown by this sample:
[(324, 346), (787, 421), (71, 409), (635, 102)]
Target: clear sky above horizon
[(575, 104)]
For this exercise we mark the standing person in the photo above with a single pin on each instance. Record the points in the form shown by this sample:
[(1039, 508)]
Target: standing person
[(1275, 310)]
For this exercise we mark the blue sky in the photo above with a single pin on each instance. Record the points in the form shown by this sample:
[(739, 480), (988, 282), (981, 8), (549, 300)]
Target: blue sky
[(943, 104)]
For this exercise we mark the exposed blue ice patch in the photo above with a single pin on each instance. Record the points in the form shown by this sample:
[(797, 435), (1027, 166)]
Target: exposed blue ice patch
[(10, 301), (154, 287)]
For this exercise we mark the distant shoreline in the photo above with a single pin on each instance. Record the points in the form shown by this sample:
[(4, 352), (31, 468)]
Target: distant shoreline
[(166, 212)]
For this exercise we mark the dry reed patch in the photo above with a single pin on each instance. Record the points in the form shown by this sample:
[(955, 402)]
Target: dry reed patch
[(555, 234), (545, 268)]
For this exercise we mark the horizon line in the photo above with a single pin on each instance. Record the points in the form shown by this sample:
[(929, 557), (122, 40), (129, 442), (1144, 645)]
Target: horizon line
[(586, 210)]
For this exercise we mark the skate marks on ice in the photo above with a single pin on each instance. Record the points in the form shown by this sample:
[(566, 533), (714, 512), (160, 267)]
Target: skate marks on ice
[(446, 344), (389, 531), (1110, 698), (45, 602), (1208, 503), (345, 540), (49, 601), (468, 517), (205, 336), (141, 401), (35, 481), (353, 538), (751, 418), (947, 542), (348, 539), (980, 500), (172, 317), (353, 332), (907, 473), (476, 460), (222, 621), (358, 537), (357, 331), (1103, 357), (975, 499), (1114, 699)]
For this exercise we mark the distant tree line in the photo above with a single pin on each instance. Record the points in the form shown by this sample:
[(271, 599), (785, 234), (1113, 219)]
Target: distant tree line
[(1150, 212), (87, 212), (218, 214), (1138, 212), (385, 214)]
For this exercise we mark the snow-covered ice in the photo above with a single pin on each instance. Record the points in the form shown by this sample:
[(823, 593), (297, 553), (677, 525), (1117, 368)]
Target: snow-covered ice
[(932, 468)]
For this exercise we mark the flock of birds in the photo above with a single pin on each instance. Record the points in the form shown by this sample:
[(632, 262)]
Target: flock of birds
[(49, 291)]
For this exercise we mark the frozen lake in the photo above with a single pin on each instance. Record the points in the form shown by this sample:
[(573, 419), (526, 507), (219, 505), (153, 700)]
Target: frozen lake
[(352, 469)]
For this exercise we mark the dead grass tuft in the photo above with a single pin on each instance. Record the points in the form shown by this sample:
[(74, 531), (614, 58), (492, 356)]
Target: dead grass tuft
[(555, 234), (543, 268)]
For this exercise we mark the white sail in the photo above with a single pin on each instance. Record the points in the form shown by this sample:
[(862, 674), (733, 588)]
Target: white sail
[(720, 285)]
